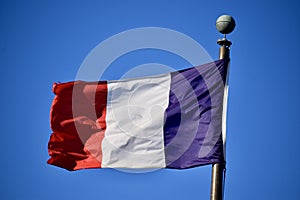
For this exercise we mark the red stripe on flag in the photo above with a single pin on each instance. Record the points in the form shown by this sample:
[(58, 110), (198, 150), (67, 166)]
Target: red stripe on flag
[(77, 118)]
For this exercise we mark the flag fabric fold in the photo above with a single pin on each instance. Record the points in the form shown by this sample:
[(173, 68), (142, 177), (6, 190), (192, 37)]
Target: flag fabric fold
[(171, 120)]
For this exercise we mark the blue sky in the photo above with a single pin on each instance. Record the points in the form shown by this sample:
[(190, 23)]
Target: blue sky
[(46, 41)]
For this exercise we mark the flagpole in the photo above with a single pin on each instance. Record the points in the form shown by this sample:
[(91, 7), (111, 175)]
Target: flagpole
[(225, 25)]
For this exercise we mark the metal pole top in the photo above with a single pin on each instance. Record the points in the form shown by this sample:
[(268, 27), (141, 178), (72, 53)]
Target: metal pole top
[(225, 25)]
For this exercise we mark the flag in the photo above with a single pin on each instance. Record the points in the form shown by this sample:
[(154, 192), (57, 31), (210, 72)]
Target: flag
[(171, 120)]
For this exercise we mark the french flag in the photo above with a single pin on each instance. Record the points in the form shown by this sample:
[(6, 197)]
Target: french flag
[(171, 120)]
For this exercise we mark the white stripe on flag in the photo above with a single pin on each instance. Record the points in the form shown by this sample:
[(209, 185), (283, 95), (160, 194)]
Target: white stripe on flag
[(134, 121)]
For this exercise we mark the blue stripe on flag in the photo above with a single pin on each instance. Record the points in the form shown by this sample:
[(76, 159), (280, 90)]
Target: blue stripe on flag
[(191, 116)]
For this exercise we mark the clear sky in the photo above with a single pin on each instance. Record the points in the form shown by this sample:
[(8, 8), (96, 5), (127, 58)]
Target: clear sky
[(46, 41)]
